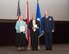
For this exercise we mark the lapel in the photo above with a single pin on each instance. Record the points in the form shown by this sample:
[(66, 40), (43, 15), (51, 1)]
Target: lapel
[(35, 21)]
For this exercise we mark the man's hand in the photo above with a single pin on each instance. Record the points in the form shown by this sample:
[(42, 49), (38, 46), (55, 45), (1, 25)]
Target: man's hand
[(53, 30), (42, 32)]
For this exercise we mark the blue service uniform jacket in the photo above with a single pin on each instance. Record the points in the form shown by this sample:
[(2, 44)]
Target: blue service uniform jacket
[(48, 24)]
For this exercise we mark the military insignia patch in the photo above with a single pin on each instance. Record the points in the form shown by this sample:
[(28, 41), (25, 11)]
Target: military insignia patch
[(50, 19)]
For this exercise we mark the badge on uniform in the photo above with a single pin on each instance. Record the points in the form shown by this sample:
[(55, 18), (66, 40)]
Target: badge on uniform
[(50, 19)]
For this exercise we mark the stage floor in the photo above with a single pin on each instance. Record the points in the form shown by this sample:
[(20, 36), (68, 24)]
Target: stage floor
[(57, 49)]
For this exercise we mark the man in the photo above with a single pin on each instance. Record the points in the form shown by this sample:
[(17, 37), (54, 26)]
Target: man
[(20, 33), (48, 28), (34, 26)]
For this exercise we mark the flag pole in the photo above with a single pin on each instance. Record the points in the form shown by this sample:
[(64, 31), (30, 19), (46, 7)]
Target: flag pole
[(38, 36), (18, 10), (37, 0), (28, 31)]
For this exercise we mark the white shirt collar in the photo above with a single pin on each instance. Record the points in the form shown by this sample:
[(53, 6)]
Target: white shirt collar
[(46, 17)]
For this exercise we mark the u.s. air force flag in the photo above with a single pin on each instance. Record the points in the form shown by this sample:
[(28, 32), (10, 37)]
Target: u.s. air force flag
[(38, 16)]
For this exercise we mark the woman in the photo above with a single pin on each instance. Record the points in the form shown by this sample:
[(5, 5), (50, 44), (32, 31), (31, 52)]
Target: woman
[(20, 33)]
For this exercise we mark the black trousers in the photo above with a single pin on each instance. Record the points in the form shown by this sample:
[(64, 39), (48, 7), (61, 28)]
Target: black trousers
[(48, 40), (20, 40), (34, 41)]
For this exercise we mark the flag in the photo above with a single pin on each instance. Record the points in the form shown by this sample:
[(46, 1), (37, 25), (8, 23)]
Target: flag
[(28, 19), (38, 17), (18, 9)]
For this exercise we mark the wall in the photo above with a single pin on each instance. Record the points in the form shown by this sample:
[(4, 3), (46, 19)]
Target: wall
[(8, 34), (57, 8)]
